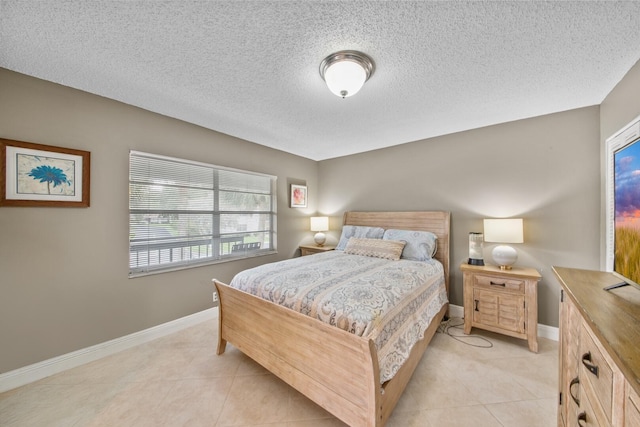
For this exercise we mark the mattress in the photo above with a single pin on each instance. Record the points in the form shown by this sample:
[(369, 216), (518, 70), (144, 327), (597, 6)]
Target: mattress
[(389, 302)]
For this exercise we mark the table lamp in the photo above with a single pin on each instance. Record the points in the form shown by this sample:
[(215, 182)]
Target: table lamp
[(507, 230), (319, 224)]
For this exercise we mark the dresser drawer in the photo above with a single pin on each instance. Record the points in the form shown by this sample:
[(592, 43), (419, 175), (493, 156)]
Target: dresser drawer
[(632, 408), (499, 283), (586, 415), (595, 370)]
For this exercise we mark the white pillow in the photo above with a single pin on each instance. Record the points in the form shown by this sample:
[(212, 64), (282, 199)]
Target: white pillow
[(420, 245)]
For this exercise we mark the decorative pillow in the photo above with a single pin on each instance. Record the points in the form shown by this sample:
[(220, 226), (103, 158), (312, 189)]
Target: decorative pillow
[(388, 249), (420, 245), (349, 231)]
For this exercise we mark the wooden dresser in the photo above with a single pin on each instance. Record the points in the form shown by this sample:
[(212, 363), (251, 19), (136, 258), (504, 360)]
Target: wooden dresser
[(599, 363)]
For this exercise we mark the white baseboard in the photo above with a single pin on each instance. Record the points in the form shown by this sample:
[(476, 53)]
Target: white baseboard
[(37, 371), (548, 332), (544, 331), (456, 311)]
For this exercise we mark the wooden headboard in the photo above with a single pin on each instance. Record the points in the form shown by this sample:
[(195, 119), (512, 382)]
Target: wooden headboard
[(437, 222)]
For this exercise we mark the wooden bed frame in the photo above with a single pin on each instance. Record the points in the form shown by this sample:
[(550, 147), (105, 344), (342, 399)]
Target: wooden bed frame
[(335, 369)]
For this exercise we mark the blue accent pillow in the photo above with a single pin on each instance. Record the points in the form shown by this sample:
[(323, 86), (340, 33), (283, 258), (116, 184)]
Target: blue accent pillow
[(349, 231), (420, 245)]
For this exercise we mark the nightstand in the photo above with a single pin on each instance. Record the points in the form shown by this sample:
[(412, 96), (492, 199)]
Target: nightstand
[(313, 249), (502, 301)]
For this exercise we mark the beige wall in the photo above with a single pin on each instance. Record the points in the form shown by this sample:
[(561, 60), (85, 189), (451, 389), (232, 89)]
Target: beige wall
[(544, 169), (621, 105), (63, 272)]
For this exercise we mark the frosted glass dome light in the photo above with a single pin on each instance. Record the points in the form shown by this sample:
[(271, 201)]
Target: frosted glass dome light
[(345, 72)]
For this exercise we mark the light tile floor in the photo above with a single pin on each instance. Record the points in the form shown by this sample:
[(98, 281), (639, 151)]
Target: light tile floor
[(179, 381)]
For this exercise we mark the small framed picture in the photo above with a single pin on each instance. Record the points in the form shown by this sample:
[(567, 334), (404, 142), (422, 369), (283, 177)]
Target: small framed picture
[(298, 196), (43, 175)]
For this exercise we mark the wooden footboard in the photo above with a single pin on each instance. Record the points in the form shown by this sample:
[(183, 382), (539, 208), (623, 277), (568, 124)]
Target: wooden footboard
[(337, 370)]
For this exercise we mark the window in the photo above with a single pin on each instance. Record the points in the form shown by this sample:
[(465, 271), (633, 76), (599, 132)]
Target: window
[(184, 213)]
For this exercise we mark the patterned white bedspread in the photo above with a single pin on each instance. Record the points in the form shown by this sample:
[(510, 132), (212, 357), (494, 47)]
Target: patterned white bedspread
[(390, 302)]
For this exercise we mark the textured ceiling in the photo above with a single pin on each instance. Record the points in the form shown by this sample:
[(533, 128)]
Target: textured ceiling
[(250, 68)]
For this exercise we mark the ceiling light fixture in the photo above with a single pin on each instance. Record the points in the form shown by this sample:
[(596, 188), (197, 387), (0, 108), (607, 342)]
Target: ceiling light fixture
[(346, 71)]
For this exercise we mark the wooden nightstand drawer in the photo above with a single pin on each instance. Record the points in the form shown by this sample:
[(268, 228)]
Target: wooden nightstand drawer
[(313, 249), (498, 283)]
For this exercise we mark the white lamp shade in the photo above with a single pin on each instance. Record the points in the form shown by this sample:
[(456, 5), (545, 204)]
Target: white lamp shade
[(508, 230), (319, 223), (345, 78)]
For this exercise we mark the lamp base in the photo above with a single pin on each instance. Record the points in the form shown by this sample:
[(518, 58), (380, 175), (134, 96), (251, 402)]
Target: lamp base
[(504, 256), (475, 261), (320, 238)]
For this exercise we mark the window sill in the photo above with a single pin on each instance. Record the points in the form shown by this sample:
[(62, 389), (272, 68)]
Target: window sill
[(228, 258)]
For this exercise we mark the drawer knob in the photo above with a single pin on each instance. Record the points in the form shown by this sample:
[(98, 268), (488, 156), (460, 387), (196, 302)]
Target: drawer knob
[(582, 417), (476, 304), (497, 284), (586, 361), (573, 382)]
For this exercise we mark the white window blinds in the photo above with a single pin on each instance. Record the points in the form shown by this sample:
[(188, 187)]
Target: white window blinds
[(184, 213)]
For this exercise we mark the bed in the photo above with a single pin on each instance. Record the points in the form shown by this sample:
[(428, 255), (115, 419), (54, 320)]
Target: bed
[(337, 369)]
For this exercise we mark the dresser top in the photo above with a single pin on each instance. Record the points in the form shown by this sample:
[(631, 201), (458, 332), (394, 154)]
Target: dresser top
[(614, 316)]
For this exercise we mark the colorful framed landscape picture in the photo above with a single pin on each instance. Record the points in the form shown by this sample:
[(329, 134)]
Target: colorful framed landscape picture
[(298, 196), (43, 175)]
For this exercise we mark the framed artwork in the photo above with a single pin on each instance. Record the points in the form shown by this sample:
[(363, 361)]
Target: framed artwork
[(298, 196), (43, 175)]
